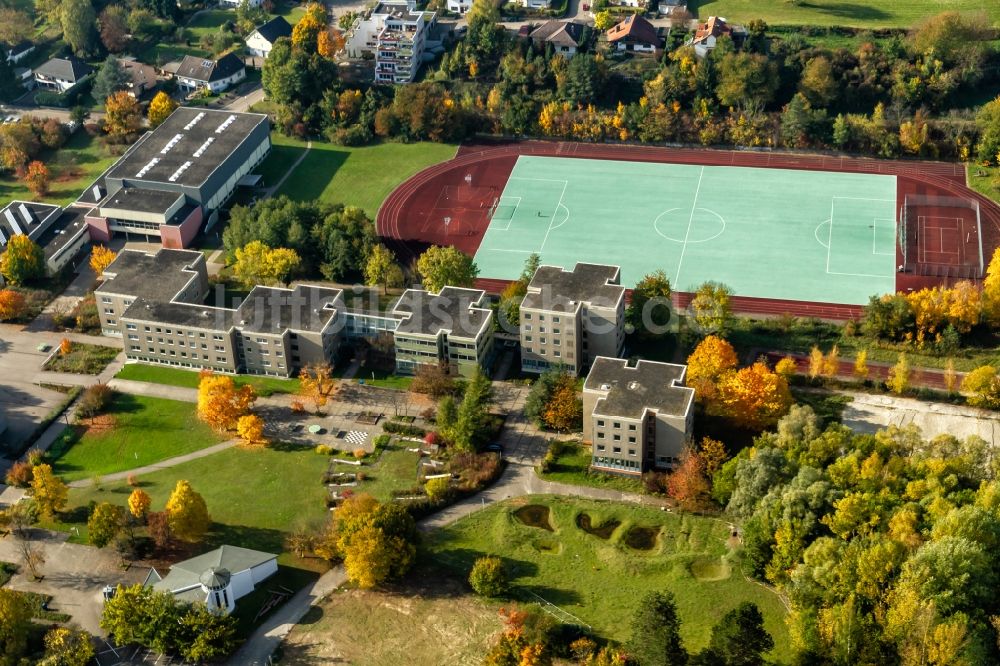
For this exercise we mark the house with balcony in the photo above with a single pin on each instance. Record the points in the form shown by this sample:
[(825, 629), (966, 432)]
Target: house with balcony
[(214, 75), (62, 74), (395, 34)]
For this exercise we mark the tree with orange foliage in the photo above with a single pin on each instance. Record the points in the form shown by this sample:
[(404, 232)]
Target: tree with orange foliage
[(316, 383), (250, 428), (65, 346), (713, 454), (139, 503), (514, 645), (100, 258), (12, 304), (564, 410), (122, 115), (688, 484), (37, 178), (707, 363), (305, 34), (220, 403), (754, 397)]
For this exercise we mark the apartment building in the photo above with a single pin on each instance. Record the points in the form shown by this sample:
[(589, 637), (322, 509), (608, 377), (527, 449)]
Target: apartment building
[(636, 417), (155, 302), (396, 33), (174, 179), (569, 318), (454, 326)]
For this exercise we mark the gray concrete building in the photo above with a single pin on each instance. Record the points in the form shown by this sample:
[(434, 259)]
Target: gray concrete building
[(636, 417), (60, 232), (453, 327), (569, 318)]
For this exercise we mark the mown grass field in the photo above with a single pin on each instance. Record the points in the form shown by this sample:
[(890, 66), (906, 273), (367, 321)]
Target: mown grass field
[(600, 581), (134, 431), (73, 167), (359, 176), (573, 467), (855, 13), (141, 372)]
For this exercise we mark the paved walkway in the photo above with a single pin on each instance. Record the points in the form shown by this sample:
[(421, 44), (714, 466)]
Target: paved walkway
[(269, 192), (163, 464)]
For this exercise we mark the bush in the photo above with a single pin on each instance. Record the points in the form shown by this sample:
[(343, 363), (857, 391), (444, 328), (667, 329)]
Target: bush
[(438, 489), (20, 474), (488, 577), (94, 400), (323, 449), (359, 453), (35, 457), (403, 429)]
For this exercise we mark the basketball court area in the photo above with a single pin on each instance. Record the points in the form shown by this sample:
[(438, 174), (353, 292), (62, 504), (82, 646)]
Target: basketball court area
[(825, 237)]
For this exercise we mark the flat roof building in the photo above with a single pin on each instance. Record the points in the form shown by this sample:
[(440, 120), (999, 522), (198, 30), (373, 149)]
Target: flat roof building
[(176, 177), (60, 232), (568, 318), (636, 417)]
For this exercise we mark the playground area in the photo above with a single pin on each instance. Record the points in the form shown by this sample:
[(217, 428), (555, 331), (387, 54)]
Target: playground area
[(813, 235)]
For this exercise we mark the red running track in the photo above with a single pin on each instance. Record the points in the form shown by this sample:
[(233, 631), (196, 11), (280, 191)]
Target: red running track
[(405, 218)]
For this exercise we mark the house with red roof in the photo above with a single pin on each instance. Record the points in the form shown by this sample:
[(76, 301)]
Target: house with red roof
[(708, 33), (634, 34)]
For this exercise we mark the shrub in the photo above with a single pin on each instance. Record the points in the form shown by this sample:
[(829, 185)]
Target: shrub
[(35, 457), (403, 429), (438, 489), (132, 480), (297, 406), (431, 439), (359, 453), (94, 400), (20, 474), (323, 449), (488, 577)]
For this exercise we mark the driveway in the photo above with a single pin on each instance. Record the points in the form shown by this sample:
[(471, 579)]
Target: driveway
[(74, 575)]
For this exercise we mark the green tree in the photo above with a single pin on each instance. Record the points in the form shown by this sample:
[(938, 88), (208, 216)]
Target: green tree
[(15, 620), (656, 638), (739, 639), (381, 268), (79, 24), (795, 122), (746, 79), (584, 80), (988, 121), (23, 261), (187, 513), (104, 524), (205, 636), (110, 78), (488, 577), (472, 422), (817, 82), (445, 266), (650, 306)]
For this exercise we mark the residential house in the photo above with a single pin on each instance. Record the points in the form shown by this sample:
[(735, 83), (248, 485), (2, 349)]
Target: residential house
[(215, 75), (233, 4), (142, 77), (569, 318), (564, 36), (453, 327), (62, 74), (636, 417), (635, 4), (459, 6), (18, 52), (61, 232), (536, 4), (173, 180), (216, 578), (672, 8), (634, 34), (708, 33), (261, 40)]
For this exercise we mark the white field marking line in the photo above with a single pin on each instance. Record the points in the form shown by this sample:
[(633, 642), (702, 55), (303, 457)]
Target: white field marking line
[(564, 220), (687, 234), (833, 201), (548, 180), (656, 221), (875, 222), (865, 199), (509, 219), (500, 249), (829, 238), (816, 233), (553, 218)]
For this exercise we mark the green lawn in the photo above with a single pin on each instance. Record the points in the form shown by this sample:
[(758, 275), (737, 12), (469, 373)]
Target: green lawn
[(141, 431), (83, 359), (208, 22), (254, 496), (284, 152), (600, 581), (867, 14), (73, 168), (154, 374), (396, 469), (375, 377), (361, 176), (988, 184), (573, 467)]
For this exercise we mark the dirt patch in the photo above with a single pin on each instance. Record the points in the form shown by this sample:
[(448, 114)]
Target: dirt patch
[(641, 538), (535, 515), (432, 619), (100, 423), (604, 531)]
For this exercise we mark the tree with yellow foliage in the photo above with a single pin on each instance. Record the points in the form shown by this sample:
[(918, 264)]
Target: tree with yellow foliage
[(160, 108), (861, 370), (305, 34), (48, 491), (710, 360), (139, 503), (100, 258), (831, 362), (256, 263), (899, 375), (122, 115), (991, 288), (220, 403), (982, 386), (187, 513), (949, 375), (754, 397), (316, 383), (816, 362), (786, 367), (250, 428)]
